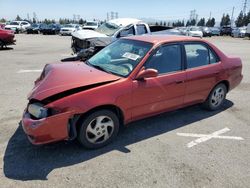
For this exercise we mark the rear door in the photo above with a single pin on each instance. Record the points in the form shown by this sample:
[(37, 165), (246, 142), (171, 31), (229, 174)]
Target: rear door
[(164, 92), (203, 71)]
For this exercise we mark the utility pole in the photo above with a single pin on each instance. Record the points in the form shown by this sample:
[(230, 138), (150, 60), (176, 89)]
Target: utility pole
[(232, 17), (107, 16), (245, 7), (112, 15), (210, 15)]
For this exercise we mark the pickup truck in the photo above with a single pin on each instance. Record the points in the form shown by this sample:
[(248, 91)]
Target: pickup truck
[(86, 43)]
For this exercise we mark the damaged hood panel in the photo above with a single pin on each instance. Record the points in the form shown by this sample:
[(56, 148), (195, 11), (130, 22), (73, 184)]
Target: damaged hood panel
[(58, 78)]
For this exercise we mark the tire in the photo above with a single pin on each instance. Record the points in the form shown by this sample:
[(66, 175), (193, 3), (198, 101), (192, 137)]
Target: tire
[(1, 44), (216, 98), (98, 129)]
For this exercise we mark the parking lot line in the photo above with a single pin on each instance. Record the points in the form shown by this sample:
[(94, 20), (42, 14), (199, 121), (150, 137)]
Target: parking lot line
[(206, 137), (27, 71)]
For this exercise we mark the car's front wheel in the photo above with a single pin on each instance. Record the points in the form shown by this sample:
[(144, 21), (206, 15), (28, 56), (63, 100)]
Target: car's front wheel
[(98, 129), (216, 98)]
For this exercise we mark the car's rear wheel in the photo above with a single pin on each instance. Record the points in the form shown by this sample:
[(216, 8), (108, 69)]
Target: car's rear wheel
[(98, 129), (216, 98)]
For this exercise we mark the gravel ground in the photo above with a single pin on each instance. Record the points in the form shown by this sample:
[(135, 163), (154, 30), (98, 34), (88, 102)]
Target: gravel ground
[(149, 153)]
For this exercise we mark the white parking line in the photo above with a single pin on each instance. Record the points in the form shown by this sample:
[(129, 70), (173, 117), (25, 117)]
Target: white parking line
[(206, 137), (27, 71)]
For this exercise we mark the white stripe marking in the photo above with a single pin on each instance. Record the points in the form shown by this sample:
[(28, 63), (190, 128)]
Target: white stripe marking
[(206, 137), (27, 71)]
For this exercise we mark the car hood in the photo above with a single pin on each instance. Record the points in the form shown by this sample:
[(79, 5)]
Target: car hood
[(68, 28), (87, 34), (59, 78), (9, 26)]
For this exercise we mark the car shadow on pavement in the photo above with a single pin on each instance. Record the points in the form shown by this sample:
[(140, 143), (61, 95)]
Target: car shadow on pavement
[(23, 161), (6, 48)]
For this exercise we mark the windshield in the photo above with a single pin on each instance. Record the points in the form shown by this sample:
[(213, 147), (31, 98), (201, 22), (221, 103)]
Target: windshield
[(14, 23), (34, 25), (91, 24), (108, 28), (121, 57), (194, 29), (70, 26)]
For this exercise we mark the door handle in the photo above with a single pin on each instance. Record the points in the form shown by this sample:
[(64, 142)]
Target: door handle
[(179, 81)]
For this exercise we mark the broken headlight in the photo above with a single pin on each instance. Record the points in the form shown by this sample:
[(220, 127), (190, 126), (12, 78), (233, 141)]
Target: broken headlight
[(37, 110)]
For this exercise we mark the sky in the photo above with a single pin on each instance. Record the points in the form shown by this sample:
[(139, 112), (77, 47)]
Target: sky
[(90, 9)]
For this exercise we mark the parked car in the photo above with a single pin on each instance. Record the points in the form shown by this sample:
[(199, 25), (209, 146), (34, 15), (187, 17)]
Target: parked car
[(7, 37), (35, 28), (94, 40), (17, 26), (206, 31), (215, 31), (131, 79), (226, 30), (92, 25), (239, 32), (194, 32), (248, 30), (69, 28), (183, 30), (51, 29)]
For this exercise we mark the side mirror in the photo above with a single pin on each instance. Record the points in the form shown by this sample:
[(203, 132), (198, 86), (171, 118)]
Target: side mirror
[(148, 73)]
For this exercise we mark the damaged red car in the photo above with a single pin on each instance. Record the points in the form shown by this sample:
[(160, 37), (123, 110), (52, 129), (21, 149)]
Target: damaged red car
[(131, 79), (6, 37)]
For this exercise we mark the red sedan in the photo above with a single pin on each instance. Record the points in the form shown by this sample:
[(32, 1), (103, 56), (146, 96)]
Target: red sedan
[(130, 79), (6, 38)]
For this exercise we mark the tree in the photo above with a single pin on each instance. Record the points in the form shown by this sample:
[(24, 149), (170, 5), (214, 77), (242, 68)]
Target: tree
[(188, 23), (225, 20), (193, 22), (240, 20), (34, 20), (210, 22), (201, 22), (248, 18), (18, 18), (81, 21), (3, 20)]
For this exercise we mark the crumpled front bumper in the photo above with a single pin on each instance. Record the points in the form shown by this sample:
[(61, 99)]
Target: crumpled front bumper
[(46, 130)]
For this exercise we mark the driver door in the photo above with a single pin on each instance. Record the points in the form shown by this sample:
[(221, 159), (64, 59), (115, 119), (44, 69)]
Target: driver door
[(164, 92)]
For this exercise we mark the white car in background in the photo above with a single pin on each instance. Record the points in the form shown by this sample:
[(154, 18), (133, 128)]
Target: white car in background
[(194, 32), (68, 29), (248, 31), (239, 32), (18, 26), (92, 25)]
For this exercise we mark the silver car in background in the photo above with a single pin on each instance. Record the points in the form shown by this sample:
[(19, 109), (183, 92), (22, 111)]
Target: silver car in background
[(239, 32)]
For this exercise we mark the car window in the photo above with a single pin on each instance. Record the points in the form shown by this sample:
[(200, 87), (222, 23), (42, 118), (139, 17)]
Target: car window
[(166, 59), (213, 59), (197, 55), (127, 32), (24, 23), (141, 29)]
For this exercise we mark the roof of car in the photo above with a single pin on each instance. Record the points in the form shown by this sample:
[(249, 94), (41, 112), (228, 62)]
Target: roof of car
[(155, 39), (124, 21)]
